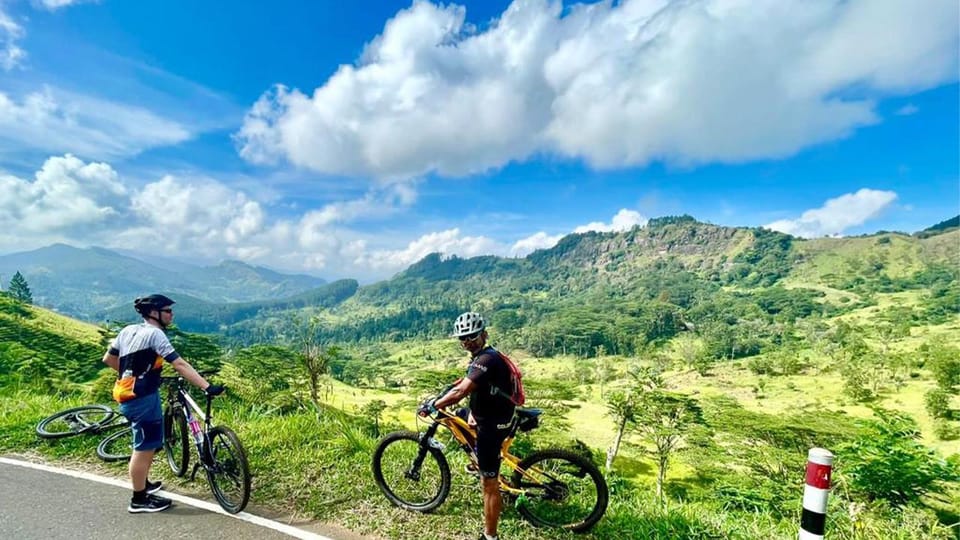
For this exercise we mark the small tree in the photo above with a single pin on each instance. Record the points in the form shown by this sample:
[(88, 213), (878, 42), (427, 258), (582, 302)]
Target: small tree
[(665, 417), (19, 289), (622, 408), (374, 411)]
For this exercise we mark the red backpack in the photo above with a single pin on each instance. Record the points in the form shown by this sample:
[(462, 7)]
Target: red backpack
[(517, 396)]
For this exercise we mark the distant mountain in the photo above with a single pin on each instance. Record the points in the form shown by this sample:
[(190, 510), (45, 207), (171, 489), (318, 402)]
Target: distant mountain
[(85, 282)]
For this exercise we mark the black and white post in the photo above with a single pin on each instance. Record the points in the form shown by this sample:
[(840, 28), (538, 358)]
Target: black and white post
[(814, 517)]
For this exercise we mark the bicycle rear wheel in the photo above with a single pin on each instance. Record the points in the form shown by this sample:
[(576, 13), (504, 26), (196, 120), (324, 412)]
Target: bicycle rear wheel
[(117, 446), (412, 476), (175, 442), (229, 474), (74, 421), (561, 489)]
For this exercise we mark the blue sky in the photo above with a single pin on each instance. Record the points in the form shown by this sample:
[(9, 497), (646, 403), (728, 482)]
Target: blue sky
[(350, 139)]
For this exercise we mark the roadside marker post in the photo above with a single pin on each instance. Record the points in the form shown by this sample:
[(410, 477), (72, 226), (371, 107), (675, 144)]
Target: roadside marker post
[(814, 516)]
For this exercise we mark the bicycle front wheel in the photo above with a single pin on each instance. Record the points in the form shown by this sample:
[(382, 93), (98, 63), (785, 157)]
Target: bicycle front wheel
[(117, 446), (411, 475), (175, 443), (229, 474), (74, 421), (560, 489)]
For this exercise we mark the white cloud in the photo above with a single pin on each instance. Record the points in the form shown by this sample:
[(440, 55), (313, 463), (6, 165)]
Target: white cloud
[(448, 242), (838, 214), (528, 245), (64, 198), (623, 221), (10, 34), (55, 121), (614, 84), (54, 5)]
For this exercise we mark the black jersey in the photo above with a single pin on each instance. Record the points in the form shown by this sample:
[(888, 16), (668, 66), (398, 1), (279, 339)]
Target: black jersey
[(489, 372)]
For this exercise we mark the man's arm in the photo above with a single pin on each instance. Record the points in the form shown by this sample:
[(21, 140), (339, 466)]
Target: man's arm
[(190, 374), (455, 394), (112, 360)]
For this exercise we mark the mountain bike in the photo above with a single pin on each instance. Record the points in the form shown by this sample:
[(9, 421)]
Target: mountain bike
[(219, 451), (550, 488), (91, 419)]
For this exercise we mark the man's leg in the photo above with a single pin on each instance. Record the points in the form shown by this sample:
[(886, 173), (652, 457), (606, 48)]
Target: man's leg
[(491, 505), (140, 463)]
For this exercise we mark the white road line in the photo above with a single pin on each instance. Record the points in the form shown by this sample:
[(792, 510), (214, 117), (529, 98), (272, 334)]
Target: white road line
[(210, 507)]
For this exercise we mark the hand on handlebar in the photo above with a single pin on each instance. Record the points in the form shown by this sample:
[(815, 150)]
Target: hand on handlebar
[(214, 390), (427, 408)]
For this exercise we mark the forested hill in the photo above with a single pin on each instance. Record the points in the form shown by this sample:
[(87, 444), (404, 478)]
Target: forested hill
[(623, 290)]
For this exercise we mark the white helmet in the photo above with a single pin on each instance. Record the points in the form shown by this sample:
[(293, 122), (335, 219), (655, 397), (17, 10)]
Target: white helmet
[(467, 323)]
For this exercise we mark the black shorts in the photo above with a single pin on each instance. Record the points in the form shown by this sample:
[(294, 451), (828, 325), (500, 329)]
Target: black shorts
[(489, 438)]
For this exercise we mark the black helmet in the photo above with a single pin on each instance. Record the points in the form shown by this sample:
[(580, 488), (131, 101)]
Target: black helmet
[(149, 303)]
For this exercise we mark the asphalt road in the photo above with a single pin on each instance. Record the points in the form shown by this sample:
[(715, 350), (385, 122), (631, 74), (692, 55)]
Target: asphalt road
[(41, 504)]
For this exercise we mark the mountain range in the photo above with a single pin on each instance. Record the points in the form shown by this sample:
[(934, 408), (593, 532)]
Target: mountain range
[(85, 282), (598, 284)]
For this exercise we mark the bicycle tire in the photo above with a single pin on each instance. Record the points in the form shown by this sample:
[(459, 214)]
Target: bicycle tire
[(176, 444), (583, 490), (75, 421), (392, 463), (117, 446), (229, 470)]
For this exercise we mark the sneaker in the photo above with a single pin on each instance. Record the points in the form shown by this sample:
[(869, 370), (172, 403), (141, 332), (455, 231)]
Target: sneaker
[(153, 487), (152, 504)]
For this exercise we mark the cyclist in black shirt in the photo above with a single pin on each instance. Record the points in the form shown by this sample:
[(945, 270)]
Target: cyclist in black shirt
[(491, 409)]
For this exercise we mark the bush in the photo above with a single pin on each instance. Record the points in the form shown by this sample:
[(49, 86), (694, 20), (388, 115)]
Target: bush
[(937, 403), (889, 463)]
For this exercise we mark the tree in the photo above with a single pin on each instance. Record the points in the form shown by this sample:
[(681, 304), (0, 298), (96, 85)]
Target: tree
[(19, 289), (622, 408), (374, 411), (665, 417)]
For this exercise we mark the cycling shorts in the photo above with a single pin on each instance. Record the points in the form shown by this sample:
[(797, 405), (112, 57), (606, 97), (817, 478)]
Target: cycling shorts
[(490, 437), (146, 420)]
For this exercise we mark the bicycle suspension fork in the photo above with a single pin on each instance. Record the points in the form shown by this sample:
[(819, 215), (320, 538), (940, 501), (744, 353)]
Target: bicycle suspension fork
[(426, 443)]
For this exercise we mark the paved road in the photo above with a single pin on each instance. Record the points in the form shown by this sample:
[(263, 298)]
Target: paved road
[(42, 504)]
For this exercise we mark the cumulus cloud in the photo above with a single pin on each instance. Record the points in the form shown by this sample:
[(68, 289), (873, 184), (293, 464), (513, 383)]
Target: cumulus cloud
[(73, 201), (448, 242), (528, 245), (837, 215), (65, 196), (55, 121), (10, 34), (615, 84), (623, 221)]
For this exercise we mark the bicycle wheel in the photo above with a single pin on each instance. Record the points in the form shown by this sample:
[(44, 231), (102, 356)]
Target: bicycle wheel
[(412, 477), (176, 445), (229, 474), (561, 489), (74, 421), (117, 446)]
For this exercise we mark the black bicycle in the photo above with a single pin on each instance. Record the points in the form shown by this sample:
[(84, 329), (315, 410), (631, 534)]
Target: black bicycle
[(91, 419), (219, 451)]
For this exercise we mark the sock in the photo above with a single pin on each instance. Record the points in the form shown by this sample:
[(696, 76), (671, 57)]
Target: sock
[(140, 496), (488, 537)]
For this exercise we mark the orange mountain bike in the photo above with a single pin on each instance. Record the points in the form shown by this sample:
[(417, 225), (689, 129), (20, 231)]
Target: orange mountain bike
[(550, 488)]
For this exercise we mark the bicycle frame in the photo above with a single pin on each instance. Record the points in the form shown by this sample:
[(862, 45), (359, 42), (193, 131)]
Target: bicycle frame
[(191, 411), (466, 436)]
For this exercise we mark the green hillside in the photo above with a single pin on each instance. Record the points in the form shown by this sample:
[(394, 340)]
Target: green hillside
[(41, 347)]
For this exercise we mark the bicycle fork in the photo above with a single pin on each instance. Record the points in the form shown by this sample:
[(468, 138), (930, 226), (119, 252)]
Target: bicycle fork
[(426, 443)]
